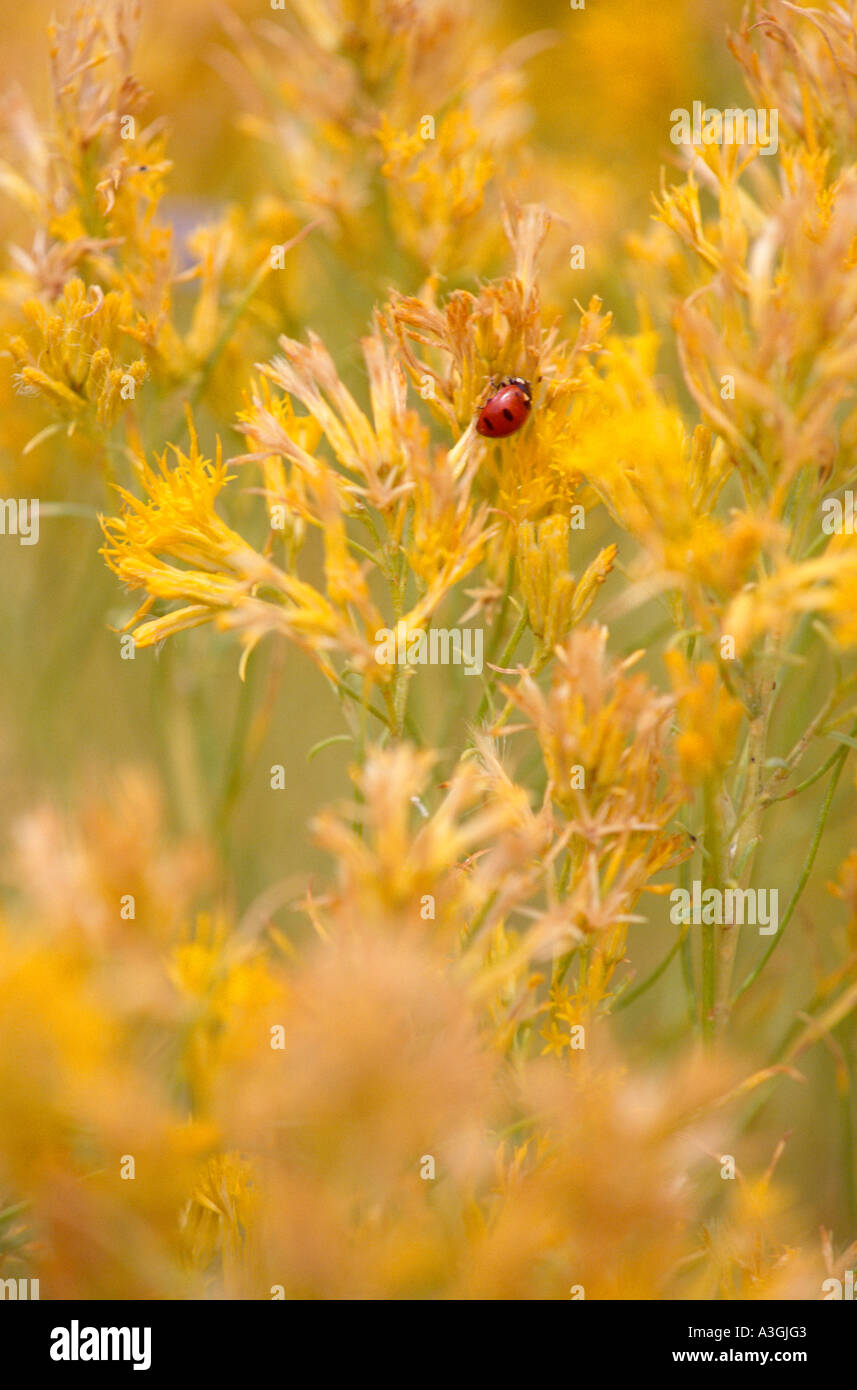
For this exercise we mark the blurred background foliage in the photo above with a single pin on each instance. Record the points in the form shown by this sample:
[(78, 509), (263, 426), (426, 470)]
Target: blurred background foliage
[(598, 86)]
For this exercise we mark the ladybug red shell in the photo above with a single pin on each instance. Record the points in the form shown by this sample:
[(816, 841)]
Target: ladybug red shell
[(506, 409)]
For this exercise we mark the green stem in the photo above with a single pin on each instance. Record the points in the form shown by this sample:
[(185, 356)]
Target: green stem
[(655, 975), (500, 623), (473, 927), (712, 876), (360, 739), (743, 843), (807, 781), (508, 653), (235, 761), (687, 955), (754, 974)]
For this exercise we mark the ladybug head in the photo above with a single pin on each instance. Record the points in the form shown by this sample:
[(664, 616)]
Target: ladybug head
[(497, 384)]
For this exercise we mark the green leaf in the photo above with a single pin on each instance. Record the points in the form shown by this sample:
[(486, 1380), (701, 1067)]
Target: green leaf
[(326, 742), (843, 738)]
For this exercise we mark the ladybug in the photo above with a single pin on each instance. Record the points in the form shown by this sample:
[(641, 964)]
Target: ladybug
[(506, 409)]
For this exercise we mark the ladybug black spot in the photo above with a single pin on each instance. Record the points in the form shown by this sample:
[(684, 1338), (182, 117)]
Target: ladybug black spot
[(487, 423), (508, 414)]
